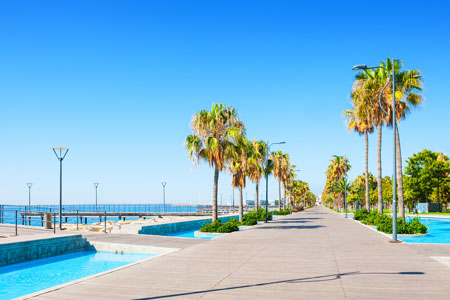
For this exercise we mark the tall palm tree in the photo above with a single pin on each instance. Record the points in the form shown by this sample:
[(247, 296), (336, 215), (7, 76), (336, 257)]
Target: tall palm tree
[(280, 166), (340, 167), (256, 166), (237, 156), (368, 86), (288, 183), (287, 179), (408, 85), (360, 120), (212, 135)]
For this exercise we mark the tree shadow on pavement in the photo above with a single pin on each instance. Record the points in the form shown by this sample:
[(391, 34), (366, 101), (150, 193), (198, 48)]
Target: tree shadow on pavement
[(320, 278), (290, 227)]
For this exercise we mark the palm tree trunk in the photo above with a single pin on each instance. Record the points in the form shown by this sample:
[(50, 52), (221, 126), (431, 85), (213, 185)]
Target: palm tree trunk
[(215, 187), (241, 205), (257, 195), (366, 135), (401, 202), (279, 194), (379, 181)]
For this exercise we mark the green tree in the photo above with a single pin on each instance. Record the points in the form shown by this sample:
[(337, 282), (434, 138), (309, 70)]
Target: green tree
[(358, 189), (256, 166), (387, 189), (426, 170), (212, 135)]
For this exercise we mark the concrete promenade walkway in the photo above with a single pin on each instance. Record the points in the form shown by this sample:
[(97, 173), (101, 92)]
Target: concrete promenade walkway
[(315, 254)]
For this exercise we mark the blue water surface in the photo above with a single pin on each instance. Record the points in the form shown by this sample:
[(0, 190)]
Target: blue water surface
[(28, 277), (191, 234), (438, 229)]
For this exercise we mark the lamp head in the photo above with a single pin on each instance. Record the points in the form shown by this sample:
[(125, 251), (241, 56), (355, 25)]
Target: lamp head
[(29, 185), (359, 67), (96, 184), (60, 152)]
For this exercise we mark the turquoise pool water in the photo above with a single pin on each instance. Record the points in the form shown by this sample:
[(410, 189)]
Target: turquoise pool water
[(28, 277), (191, 234), (438, 229)]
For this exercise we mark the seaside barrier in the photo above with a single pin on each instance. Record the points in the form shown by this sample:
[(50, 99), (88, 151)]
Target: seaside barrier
[(181, 226)]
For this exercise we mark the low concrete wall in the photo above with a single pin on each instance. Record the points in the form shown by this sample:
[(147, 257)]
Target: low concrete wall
[(176, 227), (25, 250), (128, 248)]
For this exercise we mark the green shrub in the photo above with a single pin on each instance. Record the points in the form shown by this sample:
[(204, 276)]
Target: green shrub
[(250, 219), (417, 227), (384, 223), (282, 212), (211, 227), (297, 209), (360, 214), (262, 214), (230, 226), (218, 226)]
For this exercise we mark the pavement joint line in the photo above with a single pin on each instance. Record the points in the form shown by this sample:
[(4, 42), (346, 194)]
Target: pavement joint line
[(337, 265), (240, 266)]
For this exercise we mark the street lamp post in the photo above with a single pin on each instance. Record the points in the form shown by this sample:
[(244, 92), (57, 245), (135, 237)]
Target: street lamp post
[(233, 202), (60, 155), (394, 125), (29, 185), (267, 174), (96, 186), (164, 195)]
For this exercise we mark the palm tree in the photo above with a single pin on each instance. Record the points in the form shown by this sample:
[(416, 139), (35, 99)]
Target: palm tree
[(256, 166), (281, 164), (212, 135), (237, 156), (288, 183), (339, 166), (407, 85), (360, 120), (340, 187), (288, 178)]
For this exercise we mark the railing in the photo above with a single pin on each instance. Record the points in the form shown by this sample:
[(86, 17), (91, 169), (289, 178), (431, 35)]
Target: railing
[(76, 214), (26, 217), (157, 208), (48, 219)]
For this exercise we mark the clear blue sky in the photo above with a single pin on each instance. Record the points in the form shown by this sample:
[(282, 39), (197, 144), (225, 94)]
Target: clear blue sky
[(118, 81)]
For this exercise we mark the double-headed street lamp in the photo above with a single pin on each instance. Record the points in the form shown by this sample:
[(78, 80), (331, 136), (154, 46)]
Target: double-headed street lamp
[(96, 187), (394, 125), (60, 155), (267, 173)]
